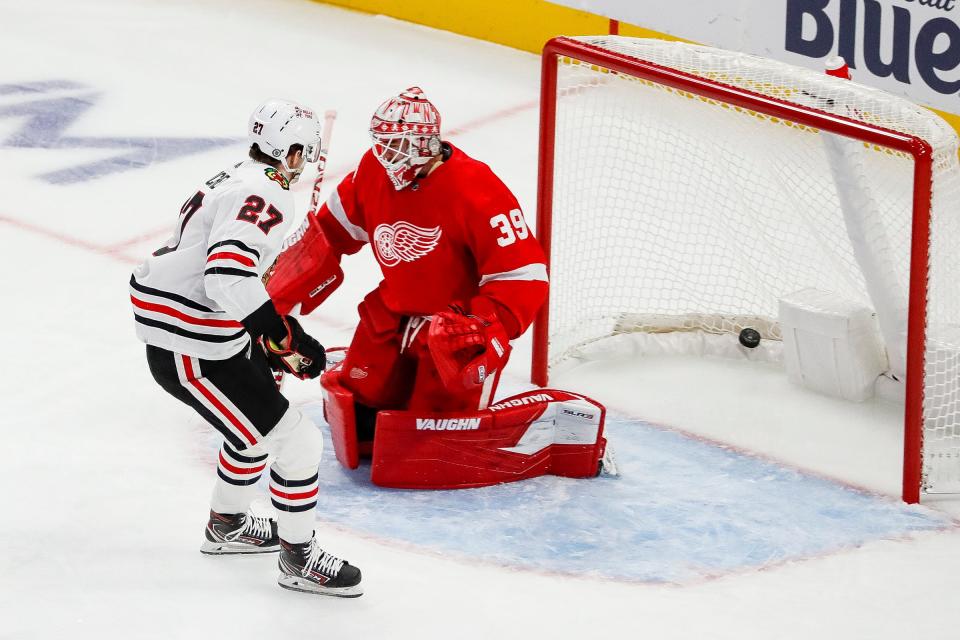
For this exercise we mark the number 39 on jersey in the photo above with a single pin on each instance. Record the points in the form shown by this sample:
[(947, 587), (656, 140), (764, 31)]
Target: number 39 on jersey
[(511, 227)]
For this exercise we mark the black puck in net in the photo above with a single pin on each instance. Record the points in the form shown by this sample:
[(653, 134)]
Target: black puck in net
[(749, 338)]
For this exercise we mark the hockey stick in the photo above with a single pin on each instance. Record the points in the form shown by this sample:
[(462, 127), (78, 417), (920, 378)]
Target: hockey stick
[(295, 361), (328, 119)]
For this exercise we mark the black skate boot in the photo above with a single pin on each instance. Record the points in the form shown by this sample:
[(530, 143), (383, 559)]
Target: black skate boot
[(308, 568), (240, 533)]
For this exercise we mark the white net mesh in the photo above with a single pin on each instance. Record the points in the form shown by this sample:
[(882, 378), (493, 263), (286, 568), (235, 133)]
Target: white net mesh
[(671, 205)]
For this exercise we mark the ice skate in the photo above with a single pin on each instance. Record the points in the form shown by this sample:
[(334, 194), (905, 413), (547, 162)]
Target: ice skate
[(240, 533), (308, 568)]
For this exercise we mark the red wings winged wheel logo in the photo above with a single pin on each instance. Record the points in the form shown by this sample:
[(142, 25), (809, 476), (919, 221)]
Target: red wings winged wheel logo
[(402, 241)]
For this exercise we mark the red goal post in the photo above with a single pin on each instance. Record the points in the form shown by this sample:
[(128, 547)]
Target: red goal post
[(611, 56)]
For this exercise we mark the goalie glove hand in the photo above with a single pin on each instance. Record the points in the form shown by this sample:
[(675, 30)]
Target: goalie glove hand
[(466, 349), (287, 346)]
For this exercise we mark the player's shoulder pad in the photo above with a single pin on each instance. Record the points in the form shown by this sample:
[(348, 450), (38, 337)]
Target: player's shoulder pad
[(480, 184), (368, 167), (472, 168)]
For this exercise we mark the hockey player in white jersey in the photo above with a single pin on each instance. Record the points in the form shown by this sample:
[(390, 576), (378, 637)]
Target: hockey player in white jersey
[(202, 309)]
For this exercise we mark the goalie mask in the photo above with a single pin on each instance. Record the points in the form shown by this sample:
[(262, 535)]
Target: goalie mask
[(276, 125), (406, 135)]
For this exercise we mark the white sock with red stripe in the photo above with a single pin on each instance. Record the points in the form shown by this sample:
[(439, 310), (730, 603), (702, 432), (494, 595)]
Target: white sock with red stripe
[(295, 499), (237, 476), (297, 446)]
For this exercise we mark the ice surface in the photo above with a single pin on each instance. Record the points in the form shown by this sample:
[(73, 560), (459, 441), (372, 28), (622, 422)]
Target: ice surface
[(682, 510), (108, 478)]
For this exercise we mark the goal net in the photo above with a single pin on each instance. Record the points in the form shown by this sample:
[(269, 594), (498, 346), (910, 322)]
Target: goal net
[(686, 190)]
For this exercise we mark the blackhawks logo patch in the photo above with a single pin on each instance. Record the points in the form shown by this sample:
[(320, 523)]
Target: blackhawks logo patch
[(277, 177)]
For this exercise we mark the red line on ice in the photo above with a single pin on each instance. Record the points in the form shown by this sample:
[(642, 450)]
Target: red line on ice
[(108, 251), (115, 250)]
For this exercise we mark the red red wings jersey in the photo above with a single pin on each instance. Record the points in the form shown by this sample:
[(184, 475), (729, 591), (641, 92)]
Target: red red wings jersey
[(451, 237)]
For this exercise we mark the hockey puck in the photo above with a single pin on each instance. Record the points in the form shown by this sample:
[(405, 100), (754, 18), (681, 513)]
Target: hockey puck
[(749, 338)]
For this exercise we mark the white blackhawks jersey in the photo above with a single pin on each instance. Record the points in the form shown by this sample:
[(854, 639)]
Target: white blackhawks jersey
[(190, 295)]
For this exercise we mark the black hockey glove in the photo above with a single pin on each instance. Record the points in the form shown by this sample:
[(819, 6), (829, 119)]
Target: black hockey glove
[(287, 346)]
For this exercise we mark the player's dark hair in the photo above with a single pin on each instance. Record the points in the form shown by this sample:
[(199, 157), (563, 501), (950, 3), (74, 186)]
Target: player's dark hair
[(260, 156)]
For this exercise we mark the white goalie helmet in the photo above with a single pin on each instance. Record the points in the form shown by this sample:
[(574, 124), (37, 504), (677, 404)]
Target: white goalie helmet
[(276, 125), (406, 135)]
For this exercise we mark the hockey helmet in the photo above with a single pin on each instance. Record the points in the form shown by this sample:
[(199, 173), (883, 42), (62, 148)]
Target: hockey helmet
[(406, 135), (276, 125)]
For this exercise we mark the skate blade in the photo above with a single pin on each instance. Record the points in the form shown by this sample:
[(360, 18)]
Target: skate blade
[(234, 548), (293, 583)]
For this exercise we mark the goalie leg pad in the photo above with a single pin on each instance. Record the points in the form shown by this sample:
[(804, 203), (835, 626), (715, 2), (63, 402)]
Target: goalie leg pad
[(306, 273), (338, 410), (531, 434)]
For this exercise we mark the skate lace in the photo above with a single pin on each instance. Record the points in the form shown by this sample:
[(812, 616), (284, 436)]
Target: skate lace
[(323, 562), (255, 526)]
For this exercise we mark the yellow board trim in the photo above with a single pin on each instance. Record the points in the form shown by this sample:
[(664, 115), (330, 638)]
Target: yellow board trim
[(520, 24)]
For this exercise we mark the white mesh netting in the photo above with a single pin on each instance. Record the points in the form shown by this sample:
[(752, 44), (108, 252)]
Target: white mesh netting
[(671, 210)]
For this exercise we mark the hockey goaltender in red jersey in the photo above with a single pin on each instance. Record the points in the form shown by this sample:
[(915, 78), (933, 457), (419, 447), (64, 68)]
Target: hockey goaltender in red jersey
[(462, 277)]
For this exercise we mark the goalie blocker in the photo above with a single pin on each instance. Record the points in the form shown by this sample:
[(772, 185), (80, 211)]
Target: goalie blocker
[(312, 271), (539, 432)]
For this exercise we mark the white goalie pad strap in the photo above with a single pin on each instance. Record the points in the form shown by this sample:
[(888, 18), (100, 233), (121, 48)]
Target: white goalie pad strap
[(411, 329)]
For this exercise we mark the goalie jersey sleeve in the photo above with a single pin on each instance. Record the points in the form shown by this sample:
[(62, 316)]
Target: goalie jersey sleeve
[(342, 218), (510, 263), (455, 237), (192, 295)]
